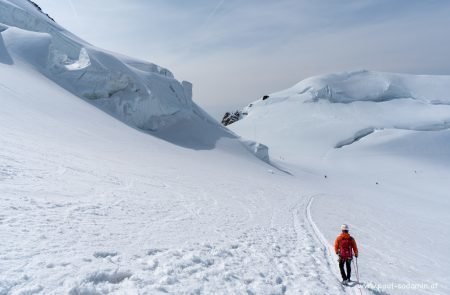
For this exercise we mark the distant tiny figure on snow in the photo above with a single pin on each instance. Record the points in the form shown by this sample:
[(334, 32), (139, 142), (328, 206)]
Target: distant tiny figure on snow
[(345, 246)]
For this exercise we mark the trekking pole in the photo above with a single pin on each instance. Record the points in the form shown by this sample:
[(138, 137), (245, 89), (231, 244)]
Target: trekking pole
[(357, 269), (357, 274)]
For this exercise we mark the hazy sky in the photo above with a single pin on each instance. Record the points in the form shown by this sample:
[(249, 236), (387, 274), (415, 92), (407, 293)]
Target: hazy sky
[(235, 51)]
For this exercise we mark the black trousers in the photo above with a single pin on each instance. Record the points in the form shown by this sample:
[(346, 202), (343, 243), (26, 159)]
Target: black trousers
[(348, 264)]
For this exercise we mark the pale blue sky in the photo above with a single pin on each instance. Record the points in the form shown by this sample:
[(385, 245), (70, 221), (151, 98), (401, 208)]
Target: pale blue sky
[(235, 51)]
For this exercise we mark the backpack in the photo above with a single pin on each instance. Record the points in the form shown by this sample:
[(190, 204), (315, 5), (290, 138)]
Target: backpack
[(345, 248)]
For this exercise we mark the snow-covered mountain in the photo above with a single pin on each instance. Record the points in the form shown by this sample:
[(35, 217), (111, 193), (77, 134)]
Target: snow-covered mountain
[(172, 202), (381, 142), (139, 93), (346, 107)]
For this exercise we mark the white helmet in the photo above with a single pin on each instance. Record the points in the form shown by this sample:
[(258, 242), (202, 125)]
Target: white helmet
[(344, 227)]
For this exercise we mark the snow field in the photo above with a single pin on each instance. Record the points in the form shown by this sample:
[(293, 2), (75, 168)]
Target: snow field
[(95, 207), (174, 203)]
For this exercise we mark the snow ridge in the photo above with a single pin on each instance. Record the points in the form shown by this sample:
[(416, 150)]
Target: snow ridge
[(347, 87), (138, 93), (40, 9), (354, 105)]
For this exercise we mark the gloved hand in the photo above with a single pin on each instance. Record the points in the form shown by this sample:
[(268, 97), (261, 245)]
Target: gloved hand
[(356, 256)]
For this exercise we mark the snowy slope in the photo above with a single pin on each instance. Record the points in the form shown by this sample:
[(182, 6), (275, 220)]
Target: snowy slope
[(352, 106), (139, 93), (380, 142), (92, 206), (170, 203)]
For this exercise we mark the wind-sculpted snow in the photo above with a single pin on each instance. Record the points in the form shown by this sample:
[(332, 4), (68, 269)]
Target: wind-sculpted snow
[(358, 136), (370, 86), (368, 131), (347, 107), (139, 93)]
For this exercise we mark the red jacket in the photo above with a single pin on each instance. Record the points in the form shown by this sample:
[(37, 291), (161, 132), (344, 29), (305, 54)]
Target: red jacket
[(344, 245)]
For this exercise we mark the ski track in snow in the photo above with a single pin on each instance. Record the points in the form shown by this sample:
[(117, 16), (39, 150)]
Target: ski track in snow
[(82, 211), (328, 253), (104, 235), (100, 241)]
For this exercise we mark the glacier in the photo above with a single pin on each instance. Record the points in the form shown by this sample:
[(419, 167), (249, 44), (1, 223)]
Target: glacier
[(113, 181)]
